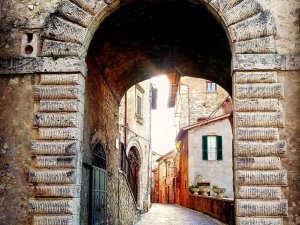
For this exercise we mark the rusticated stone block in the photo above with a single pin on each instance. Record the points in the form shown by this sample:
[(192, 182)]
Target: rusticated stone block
[(259, 45), (61, 191), (261, 208), (259, 91), (57, 119), (259, 119), (272, 177), (61, 48), (57, 92), (74, 13), (258, 163), (92, 6), (52, 176), (255, 77), (257, 105), (59, 29), (55, 161), (253, 192), (49, 206), (60, 106), (241, 11), (257, 134), (258, 221), (256, 62), (54, 147), (260, 25), (65, 79), (59, 133), (55, 220), (260, 148), (220, 5)]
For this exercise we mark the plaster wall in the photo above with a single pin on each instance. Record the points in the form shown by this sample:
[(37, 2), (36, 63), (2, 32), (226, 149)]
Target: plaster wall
[(217, 172)]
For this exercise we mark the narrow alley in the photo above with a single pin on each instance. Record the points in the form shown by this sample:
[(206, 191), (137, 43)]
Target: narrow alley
[(161, 214)]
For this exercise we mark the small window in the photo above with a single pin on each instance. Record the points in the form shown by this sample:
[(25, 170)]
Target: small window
[(212, 148), (211, 87), (139, 102)]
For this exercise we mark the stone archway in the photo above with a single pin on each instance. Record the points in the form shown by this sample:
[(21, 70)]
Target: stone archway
[(257, 93)]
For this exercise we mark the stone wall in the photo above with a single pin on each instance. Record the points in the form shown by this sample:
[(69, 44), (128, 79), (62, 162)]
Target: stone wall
[(16, 107), (193, 101)]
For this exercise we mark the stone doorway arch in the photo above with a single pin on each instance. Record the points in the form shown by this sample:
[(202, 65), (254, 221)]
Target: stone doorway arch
[(257, 93)]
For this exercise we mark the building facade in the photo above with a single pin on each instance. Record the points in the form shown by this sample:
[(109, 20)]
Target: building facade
[(135, 137), (209, 156)]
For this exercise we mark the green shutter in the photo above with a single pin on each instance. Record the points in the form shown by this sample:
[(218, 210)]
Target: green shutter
[(204, 148), (219, 148)]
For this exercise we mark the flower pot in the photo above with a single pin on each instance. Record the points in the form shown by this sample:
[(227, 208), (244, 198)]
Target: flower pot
[(195, 190), (219, 192)]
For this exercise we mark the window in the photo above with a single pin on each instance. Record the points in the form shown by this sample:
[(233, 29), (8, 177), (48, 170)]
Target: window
[(139, 101), (212, 148), (211, 87)]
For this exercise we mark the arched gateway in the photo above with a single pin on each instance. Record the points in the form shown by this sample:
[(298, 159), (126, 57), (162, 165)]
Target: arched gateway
[(257, 93)]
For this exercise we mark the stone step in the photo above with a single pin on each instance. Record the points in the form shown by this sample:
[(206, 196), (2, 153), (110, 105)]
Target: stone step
[(261, 208), (58, 92), (247, 148), (273, 90), (254, 192), (259, 119), (58, 120), (255, 77), (55, 147), (60, 106), (62, 176), (258, 163), (62, 79), (55, 220), (262, 177), (257, 134), (61, 191), (54, 161), (52, 206), (258, 221), (257, 105), (59, 133)]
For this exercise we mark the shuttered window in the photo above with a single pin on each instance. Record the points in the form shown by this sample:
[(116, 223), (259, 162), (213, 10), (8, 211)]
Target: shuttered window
[(212, 148)]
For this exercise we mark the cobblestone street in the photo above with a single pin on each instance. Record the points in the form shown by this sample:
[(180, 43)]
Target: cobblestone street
[(161, 214)]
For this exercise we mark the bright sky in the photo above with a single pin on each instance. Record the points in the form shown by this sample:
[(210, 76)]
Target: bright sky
[(163, 132)]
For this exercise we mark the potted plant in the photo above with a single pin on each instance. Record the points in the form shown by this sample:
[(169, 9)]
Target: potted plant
[(194, 189), (218, 191)]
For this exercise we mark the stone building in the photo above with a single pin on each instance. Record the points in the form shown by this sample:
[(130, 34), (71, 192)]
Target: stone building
[(135, 137), (197, 98), (65, 65)]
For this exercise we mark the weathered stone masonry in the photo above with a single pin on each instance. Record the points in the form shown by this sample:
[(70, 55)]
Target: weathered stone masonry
[(55, 169)]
